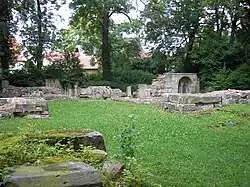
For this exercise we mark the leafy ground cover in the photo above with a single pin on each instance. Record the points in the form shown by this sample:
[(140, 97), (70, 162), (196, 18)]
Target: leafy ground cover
[(203, 149)]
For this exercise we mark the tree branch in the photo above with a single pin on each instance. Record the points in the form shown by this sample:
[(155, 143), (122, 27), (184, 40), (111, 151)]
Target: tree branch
[(121, 12)]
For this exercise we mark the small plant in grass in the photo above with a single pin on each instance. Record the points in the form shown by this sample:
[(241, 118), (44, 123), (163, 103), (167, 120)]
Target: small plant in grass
[(134, 173), (127, 145)]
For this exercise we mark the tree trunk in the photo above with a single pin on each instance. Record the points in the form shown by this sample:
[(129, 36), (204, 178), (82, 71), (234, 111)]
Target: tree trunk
[(188, 66), (5, 51), (39, 49), (217, 21), (106, 61)]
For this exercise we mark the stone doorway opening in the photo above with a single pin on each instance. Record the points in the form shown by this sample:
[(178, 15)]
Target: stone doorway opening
[(184, 85)]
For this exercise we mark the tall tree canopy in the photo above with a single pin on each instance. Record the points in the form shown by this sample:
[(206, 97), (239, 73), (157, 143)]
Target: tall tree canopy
[(95, 16), (205, 37), (37, 18)]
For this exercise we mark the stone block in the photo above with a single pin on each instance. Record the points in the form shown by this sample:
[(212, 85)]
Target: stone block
[(129, 91), (183, 108), (142, 91), (202, 99), (25, 106), (171, 107), (205, 107), (69, 174), (243, 101), (96, 92), (113, 171), (174, 98), (116, 93)]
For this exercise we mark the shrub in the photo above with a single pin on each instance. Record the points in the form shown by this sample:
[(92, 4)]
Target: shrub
[(237, 79), (27, 78), (68, 71), (133, 76)]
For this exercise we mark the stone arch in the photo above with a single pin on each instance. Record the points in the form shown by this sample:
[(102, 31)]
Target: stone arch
[(184, 85)]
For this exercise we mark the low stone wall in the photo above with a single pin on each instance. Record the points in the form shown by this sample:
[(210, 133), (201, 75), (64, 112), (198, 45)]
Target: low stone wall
[(51, 93), (233, 96), (47, 93), (100, 92), (28, 107), (176, 102), (191, 102)]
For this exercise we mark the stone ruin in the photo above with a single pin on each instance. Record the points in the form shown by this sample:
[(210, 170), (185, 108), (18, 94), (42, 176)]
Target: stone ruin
[(179, 92), (174, 92), (24, 107), (31, 102), (54, 91), (170, 83)]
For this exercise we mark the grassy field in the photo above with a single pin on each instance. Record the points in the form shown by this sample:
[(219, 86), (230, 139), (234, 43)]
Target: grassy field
[(212, 149)]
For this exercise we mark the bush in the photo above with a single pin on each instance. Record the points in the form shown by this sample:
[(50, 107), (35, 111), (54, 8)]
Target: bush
[(133, 76), (27, 78), (237, 79), (68, 71), (122, 79)]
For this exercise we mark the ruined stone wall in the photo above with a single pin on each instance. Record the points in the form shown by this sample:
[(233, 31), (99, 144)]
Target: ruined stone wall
[(170, 83), (47, 93), (183, 103), (100, 92)]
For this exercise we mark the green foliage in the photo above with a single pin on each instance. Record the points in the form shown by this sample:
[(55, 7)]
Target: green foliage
[(134, 174), (27, 78), (68, 70), (178, 150), (133, 76), (18, 149), (5, 31), (122, 79), (37, 18), (237, 79), (208, 38), (126, 140), (99, 12)]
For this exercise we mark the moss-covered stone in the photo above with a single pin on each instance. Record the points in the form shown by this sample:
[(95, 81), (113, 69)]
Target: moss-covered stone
[(68, 174), (77, 138)]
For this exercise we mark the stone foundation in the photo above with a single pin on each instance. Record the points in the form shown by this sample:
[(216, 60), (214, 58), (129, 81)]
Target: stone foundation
[(183, 103)]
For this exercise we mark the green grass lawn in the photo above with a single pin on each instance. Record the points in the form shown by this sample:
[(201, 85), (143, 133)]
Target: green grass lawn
[(179, 150)]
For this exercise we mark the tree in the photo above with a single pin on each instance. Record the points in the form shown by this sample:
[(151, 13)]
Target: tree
[(38, 31), (173, 27), (205, 37), (95, 15)]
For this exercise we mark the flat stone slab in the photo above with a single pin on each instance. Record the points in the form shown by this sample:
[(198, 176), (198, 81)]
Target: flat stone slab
[(193, 98), (69, 174)]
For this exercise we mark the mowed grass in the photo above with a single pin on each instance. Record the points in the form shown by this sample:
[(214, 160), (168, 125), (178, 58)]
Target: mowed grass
[(179, 150)]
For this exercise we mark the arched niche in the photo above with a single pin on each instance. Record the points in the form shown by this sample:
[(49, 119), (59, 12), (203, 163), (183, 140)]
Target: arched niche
[(184, 85)]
